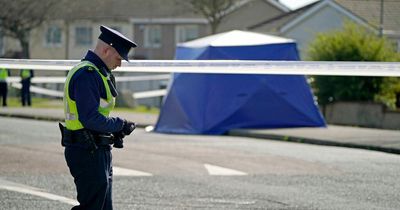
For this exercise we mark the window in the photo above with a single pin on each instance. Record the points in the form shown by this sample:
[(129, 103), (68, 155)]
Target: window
[(152, 36), (83, 36), (398, 45), (53, 36), (1, 44), (186, 33)]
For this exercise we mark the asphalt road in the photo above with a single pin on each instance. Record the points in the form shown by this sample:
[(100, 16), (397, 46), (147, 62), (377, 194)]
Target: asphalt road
[(158, 171)]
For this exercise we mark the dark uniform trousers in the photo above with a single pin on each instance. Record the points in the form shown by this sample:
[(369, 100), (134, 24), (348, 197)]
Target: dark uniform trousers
[(3, 92), (92, 172), (25, 92)]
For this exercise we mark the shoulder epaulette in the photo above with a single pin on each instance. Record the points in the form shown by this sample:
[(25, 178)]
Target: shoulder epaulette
[(88, 68)]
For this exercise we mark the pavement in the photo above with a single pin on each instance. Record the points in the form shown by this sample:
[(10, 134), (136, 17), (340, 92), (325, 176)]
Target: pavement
[(333, 135)]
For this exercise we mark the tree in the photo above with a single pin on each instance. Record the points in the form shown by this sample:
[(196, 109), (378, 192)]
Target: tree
[(19, 17), (213, 10), (352, 43)]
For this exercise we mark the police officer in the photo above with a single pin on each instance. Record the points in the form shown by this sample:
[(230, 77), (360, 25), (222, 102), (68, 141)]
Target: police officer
[(89, 96), (4, 73), (26, 76)]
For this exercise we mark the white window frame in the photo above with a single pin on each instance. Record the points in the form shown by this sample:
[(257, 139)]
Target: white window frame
[(150, 34), (182, 33), (52, 43), (89, 41)]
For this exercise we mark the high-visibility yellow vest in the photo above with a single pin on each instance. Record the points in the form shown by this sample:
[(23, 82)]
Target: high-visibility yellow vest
[(71, 112), (25, 73), (3, 74)]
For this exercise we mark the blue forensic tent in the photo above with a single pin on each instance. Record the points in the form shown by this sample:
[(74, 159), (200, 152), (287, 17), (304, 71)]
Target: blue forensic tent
[(217, 103)]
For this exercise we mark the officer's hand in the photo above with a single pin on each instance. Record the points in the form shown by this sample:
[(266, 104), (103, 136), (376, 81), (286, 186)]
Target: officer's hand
[(128, 127), (118, 143), (118, 139), (119, 135)]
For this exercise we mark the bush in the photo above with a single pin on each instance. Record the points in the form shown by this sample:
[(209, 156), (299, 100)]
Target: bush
[(352, 43), (390, 92)]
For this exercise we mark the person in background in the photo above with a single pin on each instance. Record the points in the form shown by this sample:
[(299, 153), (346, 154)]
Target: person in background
[(4, 73), (26, 76)]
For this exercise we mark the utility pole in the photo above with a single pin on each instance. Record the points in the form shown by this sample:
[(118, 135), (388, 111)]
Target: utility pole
[(381, 20)]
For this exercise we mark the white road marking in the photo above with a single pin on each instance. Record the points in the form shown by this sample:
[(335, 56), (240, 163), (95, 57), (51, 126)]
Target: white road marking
[(11, 186), (117, 171), (221, 171)]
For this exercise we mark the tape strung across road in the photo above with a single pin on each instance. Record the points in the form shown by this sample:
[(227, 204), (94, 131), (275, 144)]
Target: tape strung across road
[(227, 67), (60, 80), (149, 94), (44, 91), (60, 94)]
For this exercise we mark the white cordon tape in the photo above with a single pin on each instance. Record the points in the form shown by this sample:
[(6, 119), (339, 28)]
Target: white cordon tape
[(44, 91), (60, 94), (227, 67), (118, 79), (149, 94)]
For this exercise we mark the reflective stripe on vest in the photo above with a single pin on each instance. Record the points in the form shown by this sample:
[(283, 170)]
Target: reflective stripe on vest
[(26, 73), (71, 113), (3, 74)]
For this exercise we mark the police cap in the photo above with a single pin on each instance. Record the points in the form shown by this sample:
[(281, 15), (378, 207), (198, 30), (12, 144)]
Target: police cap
[(117, 40)]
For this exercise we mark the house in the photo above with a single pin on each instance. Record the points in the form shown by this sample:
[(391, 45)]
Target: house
[(155, 28), (327, 15), (155, 25), (251, 12)]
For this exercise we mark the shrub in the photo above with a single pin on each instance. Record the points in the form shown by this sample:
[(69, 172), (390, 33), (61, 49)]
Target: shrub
[(352, 43)]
